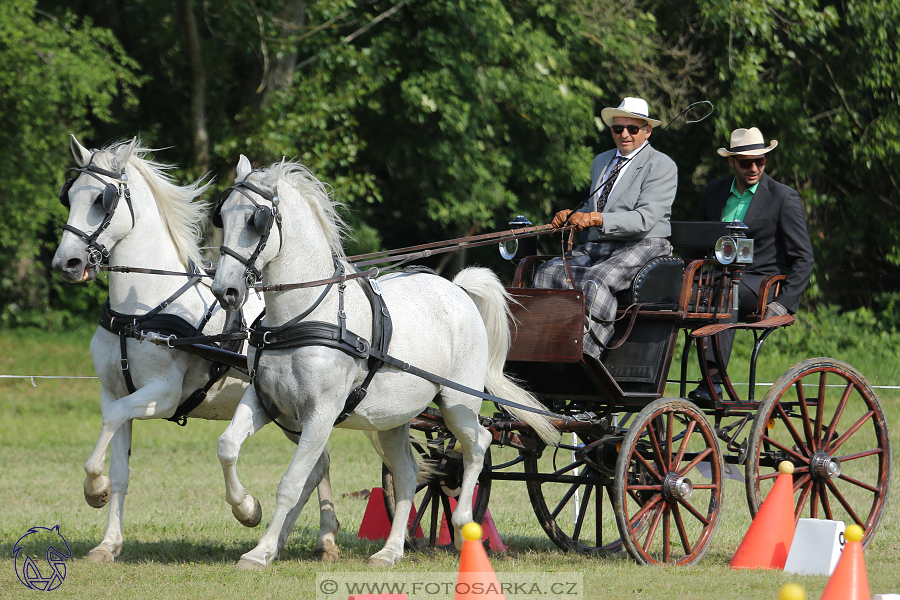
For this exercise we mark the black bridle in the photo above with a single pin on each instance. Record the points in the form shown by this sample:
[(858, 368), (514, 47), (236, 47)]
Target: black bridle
[(262, 220), (98, 253)]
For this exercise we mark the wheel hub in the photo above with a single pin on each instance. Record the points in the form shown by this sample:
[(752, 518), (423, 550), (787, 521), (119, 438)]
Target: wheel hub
[(676, 486), (823, 467)]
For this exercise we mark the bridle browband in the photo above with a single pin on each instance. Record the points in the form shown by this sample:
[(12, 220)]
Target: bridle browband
[(98, 253), (262, 220)]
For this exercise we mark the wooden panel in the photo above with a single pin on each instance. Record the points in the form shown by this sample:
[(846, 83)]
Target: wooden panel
[(548, 326)]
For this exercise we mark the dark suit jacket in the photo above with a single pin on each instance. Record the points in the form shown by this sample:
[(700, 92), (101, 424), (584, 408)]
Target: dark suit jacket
[(778, 228)]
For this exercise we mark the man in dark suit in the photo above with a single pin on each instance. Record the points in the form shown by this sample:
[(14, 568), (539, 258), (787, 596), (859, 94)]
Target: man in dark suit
[(777, 225)]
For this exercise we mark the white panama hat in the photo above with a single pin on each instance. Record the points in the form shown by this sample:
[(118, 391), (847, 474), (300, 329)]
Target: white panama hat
[(635, 108), (747, 141)]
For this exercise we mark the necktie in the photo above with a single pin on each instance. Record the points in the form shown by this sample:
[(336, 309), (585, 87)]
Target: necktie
[(610, 182)]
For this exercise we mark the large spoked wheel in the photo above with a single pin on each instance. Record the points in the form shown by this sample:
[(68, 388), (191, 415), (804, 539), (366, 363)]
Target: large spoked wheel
[(670, 471), (823, 416), (441, 470), (570, 506)]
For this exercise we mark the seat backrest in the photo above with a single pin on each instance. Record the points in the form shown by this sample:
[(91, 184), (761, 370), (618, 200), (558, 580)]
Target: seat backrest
[(657, 284)]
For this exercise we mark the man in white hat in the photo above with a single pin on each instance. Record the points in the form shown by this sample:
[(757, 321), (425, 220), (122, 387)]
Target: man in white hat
[(777, 225), (625, 222)]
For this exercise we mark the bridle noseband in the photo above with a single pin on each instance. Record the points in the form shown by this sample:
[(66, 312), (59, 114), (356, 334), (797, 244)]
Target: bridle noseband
[(97, 253), (262, 220)]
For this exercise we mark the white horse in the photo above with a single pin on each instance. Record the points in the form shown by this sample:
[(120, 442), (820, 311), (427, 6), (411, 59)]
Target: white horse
[(282, 224), (144, 220)]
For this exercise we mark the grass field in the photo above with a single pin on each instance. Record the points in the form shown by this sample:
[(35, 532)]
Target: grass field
[(181, 540)]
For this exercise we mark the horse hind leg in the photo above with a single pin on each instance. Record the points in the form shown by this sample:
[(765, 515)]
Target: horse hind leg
[(327, 549)]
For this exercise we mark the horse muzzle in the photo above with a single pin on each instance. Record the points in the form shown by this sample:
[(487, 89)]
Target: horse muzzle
[(74, 270)]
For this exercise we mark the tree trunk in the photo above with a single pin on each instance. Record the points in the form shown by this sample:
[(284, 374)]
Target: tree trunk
[(199, 133)]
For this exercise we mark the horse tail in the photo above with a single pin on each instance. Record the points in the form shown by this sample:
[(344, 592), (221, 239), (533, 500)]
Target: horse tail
[(492, 300)]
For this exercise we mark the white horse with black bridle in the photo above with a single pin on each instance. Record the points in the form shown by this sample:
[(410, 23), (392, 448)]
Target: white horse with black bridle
[(310, 367), (125, 208)]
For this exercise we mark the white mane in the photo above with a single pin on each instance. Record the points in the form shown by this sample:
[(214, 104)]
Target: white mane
[(316, 193), (184, 219)]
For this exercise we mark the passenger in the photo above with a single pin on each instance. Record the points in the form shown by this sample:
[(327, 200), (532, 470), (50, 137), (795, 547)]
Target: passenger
[(777, 225), (625, 222)]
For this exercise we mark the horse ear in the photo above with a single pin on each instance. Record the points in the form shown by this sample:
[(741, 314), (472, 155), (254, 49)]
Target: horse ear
[(127, 152), (82, 155), (243, 167)]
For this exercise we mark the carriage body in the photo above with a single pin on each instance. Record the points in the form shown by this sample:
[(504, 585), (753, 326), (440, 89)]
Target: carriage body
[(660, 463)]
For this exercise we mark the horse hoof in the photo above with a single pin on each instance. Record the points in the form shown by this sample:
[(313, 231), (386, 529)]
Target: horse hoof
[(101, 556), (384, 559), (98, 499), (249, 565), (252, 521), (327, 552)]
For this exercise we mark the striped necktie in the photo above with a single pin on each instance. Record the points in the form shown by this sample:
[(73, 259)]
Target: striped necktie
[(610, 182)]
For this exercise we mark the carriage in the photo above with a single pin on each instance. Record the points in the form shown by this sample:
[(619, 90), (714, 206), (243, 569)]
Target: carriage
[(658, 463)]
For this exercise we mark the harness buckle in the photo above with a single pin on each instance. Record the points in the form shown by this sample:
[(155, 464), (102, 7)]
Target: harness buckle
[(123, 363), (265, 339), (169, 341)]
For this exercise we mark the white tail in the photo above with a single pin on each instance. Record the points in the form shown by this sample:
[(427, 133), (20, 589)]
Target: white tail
[(491, 298)]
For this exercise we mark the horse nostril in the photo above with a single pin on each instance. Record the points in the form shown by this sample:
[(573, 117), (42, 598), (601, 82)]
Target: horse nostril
[(73, 263)]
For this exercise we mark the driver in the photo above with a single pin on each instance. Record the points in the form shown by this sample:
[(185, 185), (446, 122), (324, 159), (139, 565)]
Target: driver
[(624, 224)]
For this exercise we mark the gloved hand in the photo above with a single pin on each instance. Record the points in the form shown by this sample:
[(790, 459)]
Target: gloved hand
[(581, 220), (774, 309), (560, 218)]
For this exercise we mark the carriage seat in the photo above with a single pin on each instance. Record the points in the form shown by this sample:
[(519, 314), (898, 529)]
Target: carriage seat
[(657, 286)]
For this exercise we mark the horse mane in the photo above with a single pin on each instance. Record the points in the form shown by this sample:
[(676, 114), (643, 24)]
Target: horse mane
[(183, 218), (319, 197)]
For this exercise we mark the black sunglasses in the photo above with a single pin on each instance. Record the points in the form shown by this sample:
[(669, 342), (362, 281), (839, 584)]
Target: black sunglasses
[(747, 162), (632, 129)]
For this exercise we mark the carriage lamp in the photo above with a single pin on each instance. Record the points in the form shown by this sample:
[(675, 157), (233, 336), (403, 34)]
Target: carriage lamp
[(744, 251), (726, 250), (511, 249)]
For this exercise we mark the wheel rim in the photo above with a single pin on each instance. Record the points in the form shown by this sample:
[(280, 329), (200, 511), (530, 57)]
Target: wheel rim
[(823, 417), (432, 497), (574, 514), (669, 473)]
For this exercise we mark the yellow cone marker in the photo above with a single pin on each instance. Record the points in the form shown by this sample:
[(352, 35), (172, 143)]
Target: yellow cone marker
[(471, 531), (854, 533), (785, 467), (792, 591)]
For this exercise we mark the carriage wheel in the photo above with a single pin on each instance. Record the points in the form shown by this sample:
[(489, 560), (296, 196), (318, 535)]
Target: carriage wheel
[(670, 471), (571, 510), (824, 417), (432, 499)]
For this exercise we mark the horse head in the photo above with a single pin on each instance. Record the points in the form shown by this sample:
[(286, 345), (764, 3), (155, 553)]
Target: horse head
[(92, 193)]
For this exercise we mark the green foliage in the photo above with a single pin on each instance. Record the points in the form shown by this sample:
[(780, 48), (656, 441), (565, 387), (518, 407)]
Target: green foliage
[(59, 74)]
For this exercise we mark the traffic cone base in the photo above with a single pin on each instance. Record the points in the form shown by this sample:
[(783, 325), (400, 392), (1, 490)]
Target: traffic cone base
[(375, 523), (768, 540)]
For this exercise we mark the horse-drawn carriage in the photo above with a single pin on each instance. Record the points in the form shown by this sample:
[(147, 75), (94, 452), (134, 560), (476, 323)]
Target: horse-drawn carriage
[(662, 461)]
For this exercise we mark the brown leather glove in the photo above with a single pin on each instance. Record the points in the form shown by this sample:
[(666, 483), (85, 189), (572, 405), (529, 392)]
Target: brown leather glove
[(581, 220), (560, 218)]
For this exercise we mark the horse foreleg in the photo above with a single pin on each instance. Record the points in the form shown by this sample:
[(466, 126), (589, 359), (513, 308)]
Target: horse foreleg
[(294, 485), (247, 420), (327, 548), (111, 546), (398, 456)]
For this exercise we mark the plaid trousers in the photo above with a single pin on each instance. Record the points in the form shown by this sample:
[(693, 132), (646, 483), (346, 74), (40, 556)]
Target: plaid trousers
[(601, 269)]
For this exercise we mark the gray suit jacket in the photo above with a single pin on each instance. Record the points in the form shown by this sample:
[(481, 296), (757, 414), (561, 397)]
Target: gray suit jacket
[(641, 203)]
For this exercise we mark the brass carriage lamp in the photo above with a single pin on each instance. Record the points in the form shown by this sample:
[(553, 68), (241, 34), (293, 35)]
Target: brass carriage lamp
[(512, 249)]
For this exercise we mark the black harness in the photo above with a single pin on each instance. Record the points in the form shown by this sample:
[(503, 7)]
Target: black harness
[(297, 334), (137, 326)]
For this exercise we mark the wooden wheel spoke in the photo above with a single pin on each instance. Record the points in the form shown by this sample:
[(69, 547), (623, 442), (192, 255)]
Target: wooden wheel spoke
[(647, 466), (856, 482), (814, 502), (445, 503), (840, 498), (679, 525), (805, 447), (421, 512), (826, 506), (654, 524), (804, 496), (645, 508), (684, 444), (697, 460), (657, 452), (565, 499), (820, 409), (804, 411), (801, 482), (576, 533), (863, 454), (433, 533), (567, 468), (705, 486), (853, 429), (670, 425), (667, 535), (838, 412), (694, 512)]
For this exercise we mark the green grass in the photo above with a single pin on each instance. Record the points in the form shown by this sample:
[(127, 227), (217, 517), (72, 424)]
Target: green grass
[(181, 540)]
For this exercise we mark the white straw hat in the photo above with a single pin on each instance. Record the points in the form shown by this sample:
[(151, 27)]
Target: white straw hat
[(747, 141), (635, 108)]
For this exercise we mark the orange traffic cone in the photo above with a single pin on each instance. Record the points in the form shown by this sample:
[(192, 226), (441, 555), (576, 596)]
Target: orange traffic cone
[(375, 524), (849, 580), (476, 579), (768, 541), (792, 591)]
